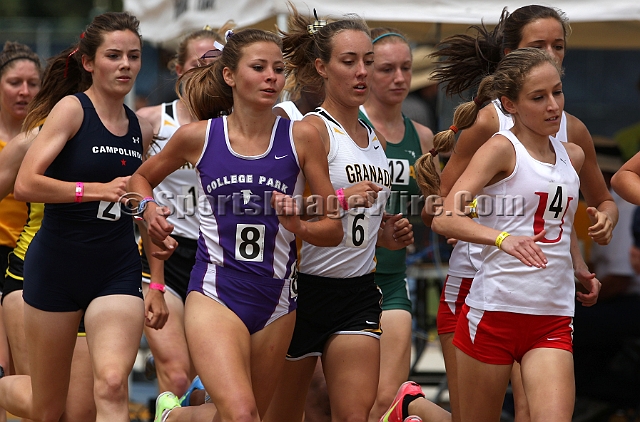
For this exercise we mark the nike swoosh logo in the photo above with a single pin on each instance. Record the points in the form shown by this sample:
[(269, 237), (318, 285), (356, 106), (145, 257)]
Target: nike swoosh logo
[(553, 339), (376, 147), (371, 323), (280, 158)]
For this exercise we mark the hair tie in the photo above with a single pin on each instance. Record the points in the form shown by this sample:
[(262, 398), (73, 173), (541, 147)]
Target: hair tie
[(82, 35), (453, 128), (66, 64), (217, 45), (316, 25), (477, 100), (388, 34), (433, 152), (228, 35), (207, 28)]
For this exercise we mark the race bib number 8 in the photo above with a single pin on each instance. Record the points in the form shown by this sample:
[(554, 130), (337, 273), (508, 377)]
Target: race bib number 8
[(357, 230), (250, 242), (109, 211)]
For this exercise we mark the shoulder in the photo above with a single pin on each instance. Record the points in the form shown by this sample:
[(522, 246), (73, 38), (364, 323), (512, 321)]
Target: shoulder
[(279, 110), (485, 126), (152, 114), (68, 113), (575, 153), (577, 132), (304, 128), (425, 135), (381, 138)]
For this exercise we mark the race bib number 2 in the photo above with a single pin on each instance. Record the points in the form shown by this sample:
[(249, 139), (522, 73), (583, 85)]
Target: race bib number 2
[(109, 211)]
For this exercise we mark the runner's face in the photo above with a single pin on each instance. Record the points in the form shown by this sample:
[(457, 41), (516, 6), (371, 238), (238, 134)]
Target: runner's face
[(195, 50), (541, 100), (259, 76), (391, 76), (546, 34), (346, 76), (116, 63), (19, 83)]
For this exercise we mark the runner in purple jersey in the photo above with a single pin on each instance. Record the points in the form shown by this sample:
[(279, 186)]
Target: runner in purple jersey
[(239, 312)]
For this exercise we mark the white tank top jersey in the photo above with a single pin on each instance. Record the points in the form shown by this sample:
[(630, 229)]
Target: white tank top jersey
[(465, 258), (291, 109), (536, 196), (179, 190), (348, 165)]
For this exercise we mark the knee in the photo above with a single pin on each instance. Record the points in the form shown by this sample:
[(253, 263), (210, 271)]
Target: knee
[(242, 414), (50, 414), (178, 381), (111, 386)]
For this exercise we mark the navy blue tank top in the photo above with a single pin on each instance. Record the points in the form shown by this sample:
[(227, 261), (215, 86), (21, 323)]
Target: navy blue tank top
[(94, 155)]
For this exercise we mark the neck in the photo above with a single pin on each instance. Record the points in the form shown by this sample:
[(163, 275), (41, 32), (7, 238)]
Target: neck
[(251, 122), (110, 107), (385, 114), (347, 116), (10, 127), (184, 116)]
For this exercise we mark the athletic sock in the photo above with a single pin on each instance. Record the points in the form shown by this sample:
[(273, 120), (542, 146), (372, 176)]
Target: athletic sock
[(405, 404)]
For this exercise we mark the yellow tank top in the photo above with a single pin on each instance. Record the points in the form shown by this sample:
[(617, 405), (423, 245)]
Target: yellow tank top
[(13, 216), (36, 212)]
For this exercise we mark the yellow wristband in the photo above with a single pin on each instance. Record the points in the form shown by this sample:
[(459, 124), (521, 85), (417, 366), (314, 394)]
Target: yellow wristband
[(502, 236)]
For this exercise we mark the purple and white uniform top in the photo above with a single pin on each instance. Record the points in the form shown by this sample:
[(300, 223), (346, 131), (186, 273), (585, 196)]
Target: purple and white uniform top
[(246, 259)]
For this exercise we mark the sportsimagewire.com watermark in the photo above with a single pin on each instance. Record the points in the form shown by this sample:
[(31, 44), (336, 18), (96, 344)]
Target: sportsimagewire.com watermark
[(245, 202)]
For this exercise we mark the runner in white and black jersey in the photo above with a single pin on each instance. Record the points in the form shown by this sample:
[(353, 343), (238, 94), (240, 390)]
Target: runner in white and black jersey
[(338, 316)]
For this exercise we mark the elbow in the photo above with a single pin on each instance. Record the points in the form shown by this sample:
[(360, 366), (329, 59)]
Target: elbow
[(439, 226), (616, 182), (20, 191)]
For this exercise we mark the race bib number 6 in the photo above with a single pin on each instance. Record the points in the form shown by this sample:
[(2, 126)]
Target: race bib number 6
[(357, 230)]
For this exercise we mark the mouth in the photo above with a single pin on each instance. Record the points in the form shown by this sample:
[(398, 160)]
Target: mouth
[(269, 90), (553, 119), (123, 78), (360, 87)]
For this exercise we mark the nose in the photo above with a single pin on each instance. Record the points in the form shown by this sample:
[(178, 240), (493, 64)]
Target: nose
[(24, 88), (361, 69), (398, 77)]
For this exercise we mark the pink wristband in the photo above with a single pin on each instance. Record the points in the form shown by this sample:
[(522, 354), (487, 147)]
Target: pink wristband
[(79, 191), (341, 199), (157, 286)]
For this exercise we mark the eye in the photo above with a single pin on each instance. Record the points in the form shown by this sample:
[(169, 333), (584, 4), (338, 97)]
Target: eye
[(279, 69), (368, 62), (348, 62), (557, 92), (559, 47), (257, 67)]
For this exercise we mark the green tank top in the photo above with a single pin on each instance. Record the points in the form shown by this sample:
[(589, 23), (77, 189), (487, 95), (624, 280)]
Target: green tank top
[(400, 157)]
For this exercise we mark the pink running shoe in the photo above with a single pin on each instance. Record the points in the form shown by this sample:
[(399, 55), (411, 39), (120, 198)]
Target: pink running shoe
[(394, 414), (413, 418)]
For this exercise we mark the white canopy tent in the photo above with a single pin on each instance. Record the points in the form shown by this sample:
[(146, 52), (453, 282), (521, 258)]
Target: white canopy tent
[(595, 23)]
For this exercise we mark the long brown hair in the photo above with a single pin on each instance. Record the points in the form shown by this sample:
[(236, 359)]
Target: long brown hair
[(467, 58), (506, 81)]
